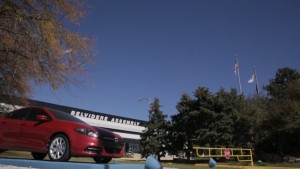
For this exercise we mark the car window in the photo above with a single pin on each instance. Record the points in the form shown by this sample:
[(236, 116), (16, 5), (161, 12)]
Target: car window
[(20, 114), (34, 112), (65, 116)]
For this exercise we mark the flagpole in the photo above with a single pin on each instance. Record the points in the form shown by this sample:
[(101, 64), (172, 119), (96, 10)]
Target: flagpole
[(238, 73), (257, 89)]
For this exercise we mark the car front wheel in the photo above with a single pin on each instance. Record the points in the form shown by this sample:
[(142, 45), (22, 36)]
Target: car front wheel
[(38, 156), (59, 148), (102, 159)]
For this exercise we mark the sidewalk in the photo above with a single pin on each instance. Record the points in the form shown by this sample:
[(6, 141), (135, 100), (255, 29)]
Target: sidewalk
[(247, 167)]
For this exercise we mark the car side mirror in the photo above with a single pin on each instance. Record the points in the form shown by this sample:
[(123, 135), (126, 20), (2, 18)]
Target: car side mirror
[(42, 118)]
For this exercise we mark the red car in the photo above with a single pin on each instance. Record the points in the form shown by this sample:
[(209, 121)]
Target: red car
[(43, 131)]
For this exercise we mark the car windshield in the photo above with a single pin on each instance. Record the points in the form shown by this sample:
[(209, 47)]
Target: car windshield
[(65, 116)]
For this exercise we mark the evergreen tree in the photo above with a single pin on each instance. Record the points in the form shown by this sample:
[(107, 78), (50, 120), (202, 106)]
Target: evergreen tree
[(153, 138), (207, 120), (203, 117), (250, 120), (283, 82), (183, 130), (226, 109), (283, 123)]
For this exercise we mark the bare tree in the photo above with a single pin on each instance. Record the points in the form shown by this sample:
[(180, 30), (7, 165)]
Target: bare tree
[(39, 44)]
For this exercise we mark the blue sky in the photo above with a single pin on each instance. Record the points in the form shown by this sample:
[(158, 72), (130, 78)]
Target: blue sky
[(164, 48)]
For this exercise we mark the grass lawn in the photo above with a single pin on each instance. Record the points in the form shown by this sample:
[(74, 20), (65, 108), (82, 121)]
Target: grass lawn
[(233, 165)]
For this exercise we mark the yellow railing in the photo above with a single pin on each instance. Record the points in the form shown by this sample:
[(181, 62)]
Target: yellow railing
[(242, 154)]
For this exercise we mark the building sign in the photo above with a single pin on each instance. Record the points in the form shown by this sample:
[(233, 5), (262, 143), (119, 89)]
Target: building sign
[(98, 116), (4, 107)]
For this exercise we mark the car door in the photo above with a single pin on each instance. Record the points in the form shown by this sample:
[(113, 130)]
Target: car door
[(36, 133), (11, 129)]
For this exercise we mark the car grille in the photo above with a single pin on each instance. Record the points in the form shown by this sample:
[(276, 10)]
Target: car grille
[(113, 145), (113, 150)]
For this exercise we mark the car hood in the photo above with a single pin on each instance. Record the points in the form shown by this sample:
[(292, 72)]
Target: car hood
[(106, 133)]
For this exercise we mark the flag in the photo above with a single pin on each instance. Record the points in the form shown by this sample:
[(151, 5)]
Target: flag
[(252, 79)]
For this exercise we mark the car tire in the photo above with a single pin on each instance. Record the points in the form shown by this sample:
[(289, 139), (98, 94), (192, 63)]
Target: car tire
[(38, 156), (59, 148), (102, 159)]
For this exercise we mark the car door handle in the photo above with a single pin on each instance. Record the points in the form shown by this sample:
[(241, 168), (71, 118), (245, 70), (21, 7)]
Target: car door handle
[(23, 124)]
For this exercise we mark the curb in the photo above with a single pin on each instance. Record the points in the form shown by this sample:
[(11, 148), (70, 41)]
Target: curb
[(67, 165)]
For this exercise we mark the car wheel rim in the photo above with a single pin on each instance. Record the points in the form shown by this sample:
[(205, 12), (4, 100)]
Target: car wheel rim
[(57, 148)]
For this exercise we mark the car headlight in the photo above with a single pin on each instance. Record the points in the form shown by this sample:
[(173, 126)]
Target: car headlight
[(87, 132)]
